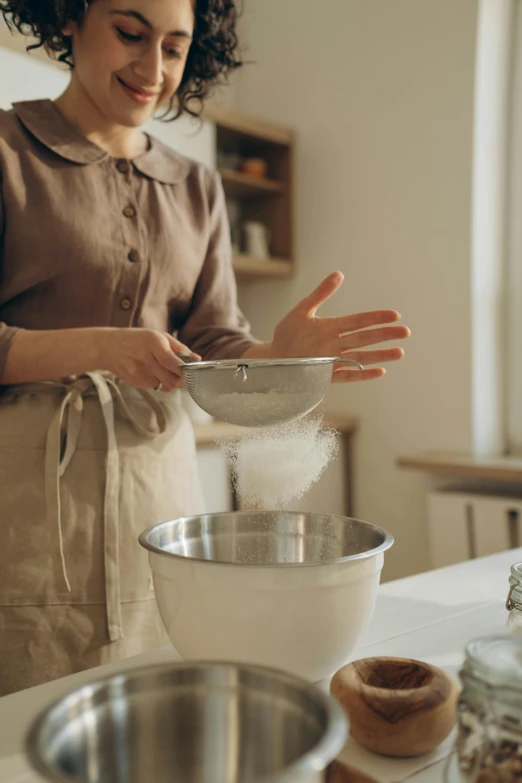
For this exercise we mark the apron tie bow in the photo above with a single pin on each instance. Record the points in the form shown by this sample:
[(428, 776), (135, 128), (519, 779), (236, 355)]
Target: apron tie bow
[(66, 426)]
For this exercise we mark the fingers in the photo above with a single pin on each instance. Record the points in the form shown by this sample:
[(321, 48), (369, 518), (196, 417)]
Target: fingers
[(167, 367), (170, 380), (346, 374), (350, 323), (373, 337), (179, 347), (379, 356), (178, 383), (310, 304), (353, 375), (165, 354), (151, 380), (168, 362)]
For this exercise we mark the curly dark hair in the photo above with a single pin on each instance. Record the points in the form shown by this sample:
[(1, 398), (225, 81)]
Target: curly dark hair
[(213, 55)]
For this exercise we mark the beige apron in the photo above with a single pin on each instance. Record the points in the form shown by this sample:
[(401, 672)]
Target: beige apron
[(84, 468)]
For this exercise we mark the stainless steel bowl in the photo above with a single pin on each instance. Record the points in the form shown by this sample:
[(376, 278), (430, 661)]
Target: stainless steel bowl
[(189, 723), (267, 538), (290, 590)]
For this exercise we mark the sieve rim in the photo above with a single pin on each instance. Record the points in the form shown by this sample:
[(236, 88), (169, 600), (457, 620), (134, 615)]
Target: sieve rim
[(227, 364)]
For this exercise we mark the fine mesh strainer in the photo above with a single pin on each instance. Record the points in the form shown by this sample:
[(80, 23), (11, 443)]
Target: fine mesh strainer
[(259, 392)]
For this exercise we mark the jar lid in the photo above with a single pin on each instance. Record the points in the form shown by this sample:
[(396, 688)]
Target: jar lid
[(515, 578), (496, 660), (515, 583)]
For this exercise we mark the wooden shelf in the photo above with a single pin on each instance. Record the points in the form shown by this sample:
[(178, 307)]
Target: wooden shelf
[(268, 200), (453, 464), (236, 122), (247, 267), (208, 434), (236, 184)]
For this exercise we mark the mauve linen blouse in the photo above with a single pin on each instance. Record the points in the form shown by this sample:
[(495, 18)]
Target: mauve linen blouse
[(91, 240)]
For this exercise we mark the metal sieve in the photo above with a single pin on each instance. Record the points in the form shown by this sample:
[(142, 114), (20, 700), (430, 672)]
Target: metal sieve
[(260, 392)]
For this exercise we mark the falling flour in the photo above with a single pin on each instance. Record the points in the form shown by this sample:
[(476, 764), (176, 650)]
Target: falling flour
[(273, 467)]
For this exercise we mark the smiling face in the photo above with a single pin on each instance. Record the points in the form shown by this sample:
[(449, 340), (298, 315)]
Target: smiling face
[(129, 55)]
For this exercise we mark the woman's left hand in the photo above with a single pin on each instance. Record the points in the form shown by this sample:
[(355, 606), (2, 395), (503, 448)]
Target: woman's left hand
[(302, 333)]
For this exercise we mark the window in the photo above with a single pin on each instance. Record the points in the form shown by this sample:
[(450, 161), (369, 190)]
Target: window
[(513, 254), (492, 347)]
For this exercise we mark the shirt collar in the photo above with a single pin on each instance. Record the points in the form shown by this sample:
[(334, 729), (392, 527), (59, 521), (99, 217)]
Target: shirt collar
[(43, 120)]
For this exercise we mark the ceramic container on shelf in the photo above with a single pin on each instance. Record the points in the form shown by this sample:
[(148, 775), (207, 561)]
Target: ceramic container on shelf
[(257, 238)]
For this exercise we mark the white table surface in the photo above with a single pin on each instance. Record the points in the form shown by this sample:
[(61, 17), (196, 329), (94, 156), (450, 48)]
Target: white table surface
[(430, 616)]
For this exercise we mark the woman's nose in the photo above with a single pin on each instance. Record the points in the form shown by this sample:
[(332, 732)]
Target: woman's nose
[(149, 67)]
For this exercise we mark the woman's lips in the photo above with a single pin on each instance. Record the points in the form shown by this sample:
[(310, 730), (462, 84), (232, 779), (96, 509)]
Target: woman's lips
[(144, 98)]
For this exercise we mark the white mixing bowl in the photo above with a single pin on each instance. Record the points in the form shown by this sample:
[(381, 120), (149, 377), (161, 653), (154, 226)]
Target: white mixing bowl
[(289, 590)]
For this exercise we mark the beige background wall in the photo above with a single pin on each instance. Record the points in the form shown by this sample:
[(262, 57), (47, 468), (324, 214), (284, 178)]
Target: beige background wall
[(381, 95)]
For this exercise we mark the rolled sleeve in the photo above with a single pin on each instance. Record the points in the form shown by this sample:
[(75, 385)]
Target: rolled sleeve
[(215, 327)]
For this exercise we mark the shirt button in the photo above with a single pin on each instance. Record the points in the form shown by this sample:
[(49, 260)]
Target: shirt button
[(126, 303), (129, 211), (133, 256), (123, 166)]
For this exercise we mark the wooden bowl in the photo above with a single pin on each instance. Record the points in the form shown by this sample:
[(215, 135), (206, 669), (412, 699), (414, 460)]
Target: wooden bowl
[(397, 706)]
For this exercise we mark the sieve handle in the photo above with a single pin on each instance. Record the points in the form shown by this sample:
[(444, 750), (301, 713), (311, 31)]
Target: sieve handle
[(350, 361), (185, 357)]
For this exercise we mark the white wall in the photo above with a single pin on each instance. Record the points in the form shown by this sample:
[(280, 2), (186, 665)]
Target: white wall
[(381, 95), (24, 78)]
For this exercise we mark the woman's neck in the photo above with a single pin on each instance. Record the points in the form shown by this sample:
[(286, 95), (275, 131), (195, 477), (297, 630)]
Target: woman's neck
[(84, 116)]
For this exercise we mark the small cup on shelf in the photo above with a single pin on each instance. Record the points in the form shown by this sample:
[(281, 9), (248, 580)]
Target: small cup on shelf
[(254, 167)]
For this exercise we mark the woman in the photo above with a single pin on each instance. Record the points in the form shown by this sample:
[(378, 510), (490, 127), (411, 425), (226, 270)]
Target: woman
[(111, 244)]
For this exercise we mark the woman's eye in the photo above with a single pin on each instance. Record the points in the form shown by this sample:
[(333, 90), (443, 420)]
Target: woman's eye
[(173, 53), (128, 37)]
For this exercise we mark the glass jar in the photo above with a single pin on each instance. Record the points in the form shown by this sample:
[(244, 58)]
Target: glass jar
[(489, 734), (514, 601)]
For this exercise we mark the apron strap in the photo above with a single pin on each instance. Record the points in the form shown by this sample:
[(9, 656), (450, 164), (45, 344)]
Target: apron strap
[(157, 407), (56, 465), (111, 511), (55, 468)]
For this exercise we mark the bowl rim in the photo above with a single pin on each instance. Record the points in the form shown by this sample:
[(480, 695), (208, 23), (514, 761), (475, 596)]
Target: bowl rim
[(352, 682), (315, 758), (387, 542)]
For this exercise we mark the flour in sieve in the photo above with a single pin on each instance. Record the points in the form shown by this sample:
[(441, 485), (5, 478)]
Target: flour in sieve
[(255, 407), (274, 467)]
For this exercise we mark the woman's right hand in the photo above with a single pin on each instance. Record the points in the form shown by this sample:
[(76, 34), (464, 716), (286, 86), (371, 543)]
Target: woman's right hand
[(144, 358)]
